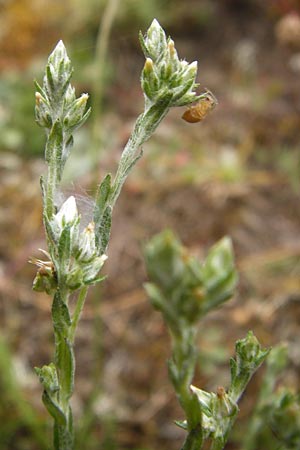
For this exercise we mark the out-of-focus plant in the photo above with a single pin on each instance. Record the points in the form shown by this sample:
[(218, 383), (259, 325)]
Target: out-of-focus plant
[(16, 124), (75, 255), (184, 290), (15, 410), (276, 417)]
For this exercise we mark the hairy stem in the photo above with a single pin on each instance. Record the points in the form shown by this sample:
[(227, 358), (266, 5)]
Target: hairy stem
[(194, 440), (144, 127), (77, 313)]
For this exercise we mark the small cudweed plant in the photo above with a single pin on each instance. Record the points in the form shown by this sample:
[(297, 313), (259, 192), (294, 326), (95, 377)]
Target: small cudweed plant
[(75, 256), (184, 290)]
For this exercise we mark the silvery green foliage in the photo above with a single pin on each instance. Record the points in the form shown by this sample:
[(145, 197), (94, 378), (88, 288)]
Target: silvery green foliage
[(75, 256), (57, 109), (249, 356), (218, 413), (182, 287), (164, 74), (166, 82), (283, 417), (276, 417), (185, 289)]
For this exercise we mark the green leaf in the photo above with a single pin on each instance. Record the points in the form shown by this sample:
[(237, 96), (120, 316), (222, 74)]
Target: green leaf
[(50, 85), (193, 412), (219, 259), (221, 291), (64, 250), (60, 314), (74, 279), (162, 303), (39, 88), (54, 410), (104, 229), (95, 280), (102, 197), (65, 85), (182, 424), (155, 296), (219, 274), (164, 260)]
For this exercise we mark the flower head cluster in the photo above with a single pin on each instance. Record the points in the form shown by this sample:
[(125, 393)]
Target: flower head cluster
[(218, 411), (75, 255), (249, 357), (164, 73), (57, 109), (182, 287), (56, 98)]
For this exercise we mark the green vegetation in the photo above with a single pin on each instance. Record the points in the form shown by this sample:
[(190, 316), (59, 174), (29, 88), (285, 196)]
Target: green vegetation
[(235, 174), (75, 257)]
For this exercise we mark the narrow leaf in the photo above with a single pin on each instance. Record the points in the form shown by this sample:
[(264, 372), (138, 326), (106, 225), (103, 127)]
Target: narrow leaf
[(101, 198), (60, 314), (54, 409), (105, 228), (64, 249)]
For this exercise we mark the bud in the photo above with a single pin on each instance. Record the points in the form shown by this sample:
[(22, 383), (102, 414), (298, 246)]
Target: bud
[(148, 67), (218, 412), (66, 216), (92, 268), (154, 43), (58, 72), (149, 80), (59, 56), (48, 378), (249, 353), (172, 50), (85, 273), (38, 99), (223, 406), (76, 113), (87, 244), (42, 111), (224, 411), (249, 356), (69, 96), (74, 279), (164, 74)]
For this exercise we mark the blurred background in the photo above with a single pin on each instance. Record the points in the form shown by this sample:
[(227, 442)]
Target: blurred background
[(235, 173)]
